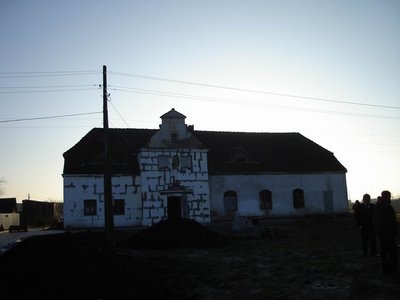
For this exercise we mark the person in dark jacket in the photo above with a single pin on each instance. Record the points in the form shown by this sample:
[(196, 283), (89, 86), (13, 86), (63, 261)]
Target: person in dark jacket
[(365, 222), (386, 227), (356, 210)]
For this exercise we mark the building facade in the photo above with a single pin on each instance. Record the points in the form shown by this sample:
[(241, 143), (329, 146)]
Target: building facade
[(177, 172)]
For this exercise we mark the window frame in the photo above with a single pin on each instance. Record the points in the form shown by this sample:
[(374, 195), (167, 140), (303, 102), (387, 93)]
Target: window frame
[(117, 208), (175, 161), (174, 137), (298, 198), (265, 199), (186, 162), (89, 207), (230, 202), (163, 162)]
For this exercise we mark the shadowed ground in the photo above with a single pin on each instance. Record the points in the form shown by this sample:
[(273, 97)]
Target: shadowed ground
[(313, 258)]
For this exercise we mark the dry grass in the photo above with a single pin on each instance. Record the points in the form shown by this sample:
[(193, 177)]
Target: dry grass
[(314, 258)]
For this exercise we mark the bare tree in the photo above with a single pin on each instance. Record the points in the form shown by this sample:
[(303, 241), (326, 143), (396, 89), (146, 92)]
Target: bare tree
[(2, 183)]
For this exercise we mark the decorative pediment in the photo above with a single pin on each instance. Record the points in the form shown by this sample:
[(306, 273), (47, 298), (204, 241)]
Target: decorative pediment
[(239, 155), (176, 188)]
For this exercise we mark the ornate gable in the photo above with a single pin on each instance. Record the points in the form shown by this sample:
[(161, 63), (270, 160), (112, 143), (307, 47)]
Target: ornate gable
[(239, 155)]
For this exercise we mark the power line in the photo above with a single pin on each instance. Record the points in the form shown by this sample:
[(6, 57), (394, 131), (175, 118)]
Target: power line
[(48, 91), (118, 112), (48, 86), (52, 72), (172, 94), (46, 126), (49, 117), (46, 74), (250, 90), (222, 100)]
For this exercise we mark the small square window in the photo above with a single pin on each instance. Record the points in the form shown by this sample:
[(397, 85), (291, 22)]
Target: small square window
[(186, 162), (174, 137), (163, 162), (89, 207)]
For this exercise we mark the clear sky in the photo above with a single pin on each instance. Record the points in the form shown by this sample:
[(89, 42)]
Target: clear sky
[(327, 69)]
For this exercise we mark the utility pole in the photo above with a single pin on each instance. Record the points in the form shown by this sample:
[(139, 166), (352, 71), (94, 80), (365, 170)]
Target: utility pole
[(108, 203)]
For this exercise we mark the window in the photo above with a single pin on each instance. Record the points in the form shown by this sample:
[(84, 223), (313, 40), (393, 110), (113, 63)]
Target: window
[(175, 162), (163, 162), (241, 159), (230, 201), (119, 207), (186, 162), (265, 200), (89, 207), (174, 137), (298, 198)]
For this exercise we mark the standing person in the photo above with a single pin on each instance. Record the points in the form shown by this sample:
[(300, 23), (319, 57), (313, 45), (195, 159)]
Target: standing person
[(386, 226), (356, 210), (365, 221)]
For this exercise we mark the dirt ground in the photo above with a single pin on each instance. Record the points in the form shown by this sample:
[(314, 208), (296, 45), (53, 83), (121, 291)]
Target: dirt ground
[(312, 258)]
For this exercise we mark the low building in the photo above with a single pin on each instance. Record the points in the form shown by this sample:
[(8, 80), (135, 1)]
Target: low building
[(8, 213), (177, 171), (40, 213), (8, 205)]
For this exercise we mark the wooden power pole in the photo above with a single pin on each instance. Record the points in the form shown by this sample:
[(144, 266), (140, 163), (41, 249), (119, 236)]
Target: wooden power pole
[(108, 203)]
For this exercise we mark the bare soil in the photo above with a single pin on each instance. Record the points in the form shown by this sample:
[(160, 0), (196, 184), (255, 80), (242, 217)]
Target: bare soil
[(311, 258)]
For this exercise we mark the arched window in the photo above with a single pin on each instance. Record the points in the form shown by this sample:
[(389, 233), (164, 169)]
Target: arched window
[(298, 198), (265, 200), (230, 201)]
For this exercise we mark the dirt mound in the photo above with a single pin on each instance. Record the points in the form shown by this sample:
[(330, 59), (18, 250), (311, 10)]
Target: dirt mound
[(170, 234)]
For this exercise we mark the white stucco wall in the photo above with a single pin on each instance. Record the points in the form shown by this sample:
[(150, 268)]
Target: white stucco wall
[(155, 184), (8, 219), (248, 187), (79, 188)]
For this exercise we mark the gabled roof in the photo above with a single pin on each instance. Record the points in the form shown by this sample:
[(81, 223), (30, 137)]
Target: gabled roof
[(87, 156), (266, 152), (229, 152)]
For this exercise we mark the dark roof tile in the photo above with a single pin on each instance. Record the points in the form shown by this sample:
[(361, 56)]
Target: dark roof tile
[(262, 152)]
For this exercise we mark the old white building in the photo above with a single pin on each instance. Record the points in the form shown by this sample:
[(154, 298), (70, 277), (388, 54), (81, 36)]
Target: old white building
[(177, 172)]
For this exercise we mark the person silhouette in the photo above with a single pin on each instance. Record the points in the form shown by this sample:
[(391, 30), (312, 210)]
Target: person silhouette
[(387, 229), (356, 210), (365, 222)]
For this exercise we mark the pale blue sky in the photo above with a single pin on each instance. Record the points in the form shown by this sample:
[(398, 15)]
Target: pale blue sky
[(347, 51)]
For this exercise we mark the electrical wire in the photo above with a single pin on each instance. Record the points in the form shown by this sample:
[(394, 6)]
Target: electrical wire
[(49, 117), (109, 101), (48, 126), (49, 86), (249, 90), (90, 72), (47, 74), (222, 100), (49, 91)]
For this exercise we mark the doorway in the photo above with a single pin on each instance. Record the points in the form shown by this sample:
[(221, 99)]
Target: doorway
[(174, 208)]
